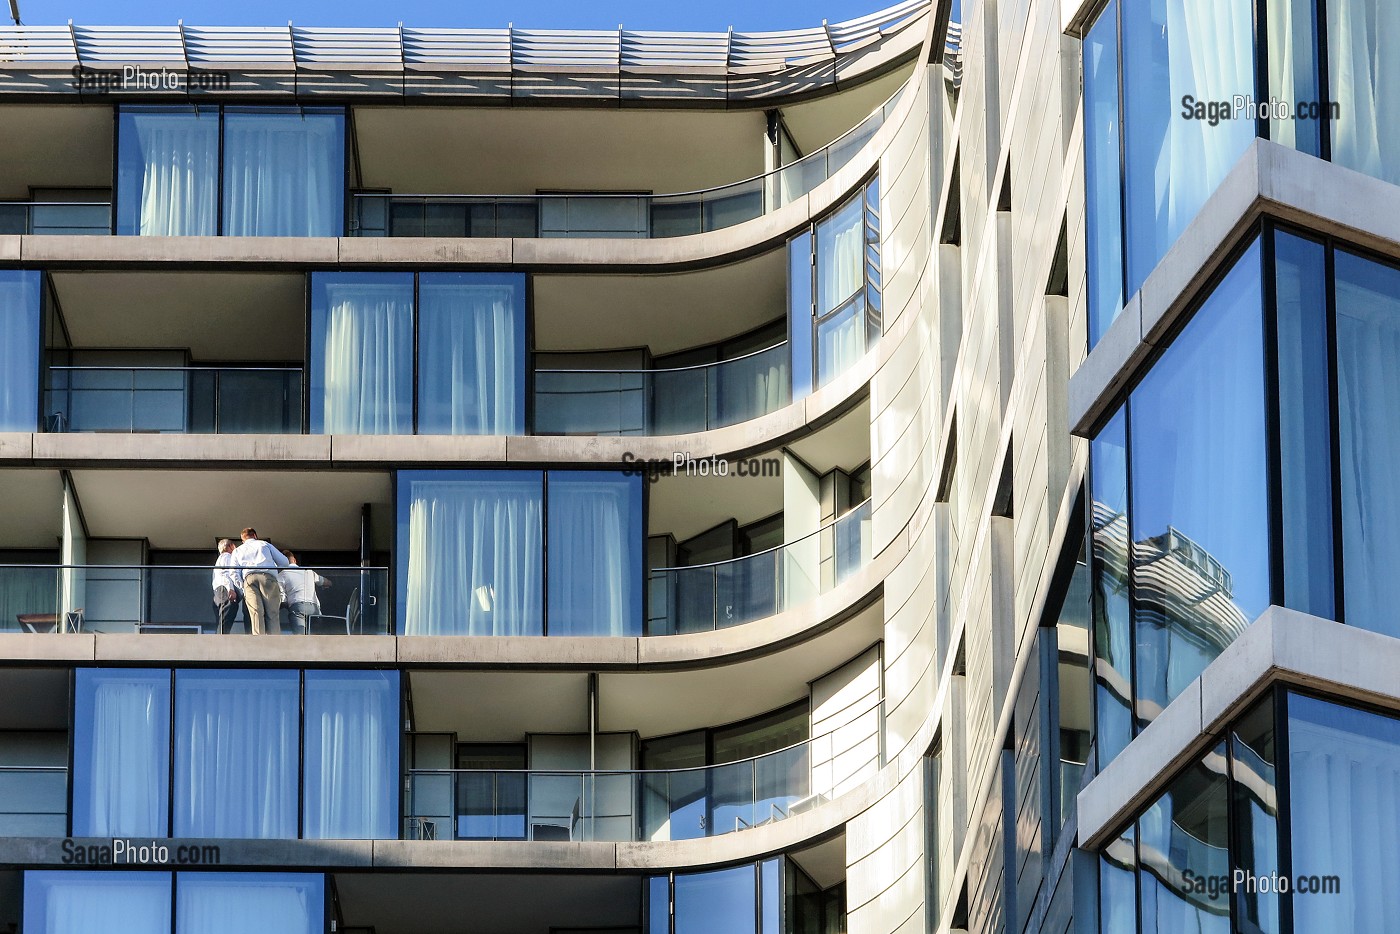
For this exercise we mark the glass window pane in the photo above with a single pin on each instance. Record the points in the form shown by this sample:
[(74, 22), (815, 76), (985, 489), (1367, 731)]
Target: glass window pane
[(1305, 425), (1293, 71), (771, 872), (284, 173), (658, 905), (471, 339), (237, 735), (351, 754), (840, 255), (1200, 524), (1102, 173), (19, 349), (718, 902), (1368, 391), (595, 553), (1254, 792), (362, 353), (800, 312), (1344, 772), (68, 902), (1113, 663), (1117, 889), (1184, 837), (471, 552), (1202, 49), (121, 752), (239, 902), (167, 171), (1361, 78)]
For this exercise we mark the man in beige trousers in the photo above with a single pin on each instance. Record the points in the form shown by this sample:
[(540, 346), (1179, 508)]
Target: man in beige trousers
[(257, 564)]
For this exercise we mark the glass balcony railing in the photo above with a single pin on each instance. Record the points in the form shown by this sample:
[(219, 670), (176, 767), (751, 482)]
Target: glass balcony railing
[(56, 217), (33, 801), (608, 214), (662, 402), (167, 599), (625, 806), (203, 400), (706, 597)]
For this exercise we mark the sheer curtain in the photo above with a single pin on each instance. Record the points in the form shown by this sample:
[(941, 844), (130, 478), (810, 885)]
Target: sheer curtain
[(472, 368), (475, 555), (840, 341), (77, 902), (1365, 81), (1344, 790), (352, 755), (121, 753), (284, 173), (237, 903), (751, 386), (19, 350), (1368, 394), (168, 172), (362, 354), (595, 562), (840, 255), (236, 749)]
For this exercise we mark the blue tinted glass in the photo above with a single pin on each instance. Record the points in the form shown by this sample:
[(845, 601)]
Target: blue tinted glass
[(718, 902), (771, 897), (471, 552), (19, 349), (1113, 664), (1200, 527), (1173, 50), (1368, 391), (800, 312), (1344, 768), (121, 752), (168, 171), (595, 553), (1293, 72), (1359, 67), (69, 902), (241, 902), (361, 379), (1102, 173), (471, 368), (1305, 425), (237, 737), (284, 173), (351, 755), (658, 905), (1184, 835), (1117, 889)]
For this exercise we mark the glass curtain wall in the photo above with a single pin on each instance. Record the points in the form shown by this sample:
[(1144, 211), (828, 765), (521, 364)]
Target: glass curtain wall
[(351, 755), (1103, 184), (121, 752), (237, 171), (472, 547), (463, 333), (20, 309), (743, 899)]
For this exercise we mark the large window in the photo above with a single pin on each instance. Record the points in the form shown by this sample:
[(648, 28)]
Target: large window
[(19, 349), (473, 546), (67, 902), (239, 171), (243, 754), (468, 330)]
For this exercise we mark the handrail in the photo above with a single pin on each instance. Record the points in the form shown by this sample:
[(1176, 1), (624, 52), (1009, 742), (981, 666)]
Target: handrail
[(673, 369), (757, 554), (182, 369), (56, 204), (182, 567)]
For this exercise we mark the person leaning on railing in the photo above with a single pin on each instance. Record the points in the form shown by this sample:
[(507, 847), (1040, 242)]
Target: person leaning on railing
[(257, 563), (299, 591), (227, 589)]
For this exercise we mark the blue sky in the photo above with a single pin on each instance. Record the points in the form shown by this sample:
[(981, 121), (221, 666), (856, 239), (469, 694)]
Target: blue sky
[(717, 15)]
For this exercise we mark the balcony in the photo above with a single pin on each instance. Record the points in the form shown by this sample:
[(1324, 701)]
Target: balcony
[(56, 217), (168, 599), (202, 400), (716, 596), (625, 806), (33, 801)]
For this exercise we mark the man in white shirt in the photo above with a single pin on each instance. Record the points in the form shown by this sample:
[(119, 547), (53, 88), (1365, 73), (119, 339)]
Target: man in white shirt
[(299, 591), (257, 563), (226, 588)]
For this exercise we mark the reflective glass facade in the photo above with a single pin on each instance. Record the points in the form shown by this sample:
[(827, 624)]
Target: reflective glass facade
[(20, 310)]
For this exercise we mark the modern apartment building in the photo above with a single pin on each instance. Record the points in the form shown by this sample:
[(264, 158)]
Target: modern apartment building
[(899, 475)]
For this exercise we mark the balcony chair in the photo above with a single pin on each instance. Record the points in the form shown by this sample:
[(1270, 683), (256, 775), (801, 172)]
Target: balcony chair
[(351, 618), (49, 622)]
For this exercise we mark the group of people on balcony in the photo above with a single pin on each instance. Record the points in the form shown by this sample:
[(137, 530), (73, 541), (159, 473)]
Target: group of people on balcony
[(264, 579)]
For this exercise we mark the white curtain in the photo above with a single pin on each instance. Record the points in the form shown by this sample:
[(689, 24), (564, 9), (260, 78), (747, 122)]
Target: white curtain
[(1365, 81), (121, 782), (1368, 390), (69, 902), (475, 557), (19, 350), (177, 170), (367, 358), (1344, 788), (284, 174), (840, 255), (236, 751), (840, 341), (473, 357), (751, 386), (352, 754), (594, 555), (241, 903)]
